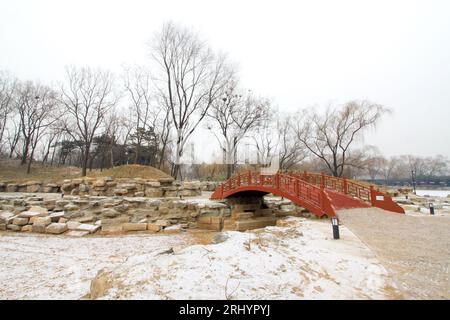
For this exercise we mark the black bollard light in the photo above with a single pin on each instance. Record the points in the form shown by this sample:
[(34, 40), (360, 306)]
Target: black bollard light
[(335, 224), (431, 208)]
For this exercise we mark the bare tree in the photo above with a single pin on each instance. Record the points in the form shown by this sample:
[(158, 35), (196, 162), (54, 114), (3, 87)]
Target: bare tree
[(266, 142), (37, 108), (236, 114), (137, 86), (148, 112), (87, 97), (291, 151), (189, 79), (7, 90), (437, 166), (329, 136)]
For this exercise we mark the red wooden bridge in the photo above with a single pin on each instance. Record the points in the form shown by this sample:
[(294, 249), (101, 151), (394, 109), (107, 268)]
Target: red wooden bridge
[(319, 193)]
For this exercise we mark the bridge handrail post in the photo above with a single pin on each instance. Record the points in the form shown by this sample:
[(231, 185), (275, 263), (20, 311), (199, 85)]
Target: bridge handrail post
[(373, 196), (322, 197), (249, 177), (322, 180), (305, 176), (345, 186)]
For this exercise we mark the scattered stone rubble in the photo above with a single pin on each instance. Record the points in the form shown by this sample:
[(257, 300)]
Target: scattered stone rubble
[(83, 215)]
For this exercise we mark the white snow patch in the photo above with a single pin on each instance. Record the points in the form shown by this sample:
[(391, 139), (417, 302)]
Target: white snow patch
[(433, 193), (300, 261)]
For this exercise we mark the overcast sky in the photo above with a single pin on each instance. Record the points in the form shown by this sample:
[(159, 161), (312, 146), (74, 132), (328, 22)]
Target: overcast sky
[(299, 53)]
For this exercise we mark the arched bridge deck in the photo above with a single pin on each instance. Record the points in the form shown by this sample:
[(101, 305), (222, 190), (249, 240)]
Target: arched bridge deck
[(319, 193)]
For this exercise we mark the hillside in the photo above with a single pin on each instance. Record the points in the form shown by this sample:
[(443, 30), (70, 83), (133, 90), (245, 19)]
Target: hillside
[(12, 171)]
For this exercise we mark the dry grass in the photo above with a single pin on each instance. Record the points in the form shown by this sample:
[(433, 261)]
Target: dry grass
[(11, 171), (130, 171)]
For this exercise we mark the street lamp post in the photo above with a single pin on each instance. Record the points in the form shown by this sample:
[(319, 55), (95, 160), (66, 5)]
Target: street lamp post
[(335, 224), (413, 178)]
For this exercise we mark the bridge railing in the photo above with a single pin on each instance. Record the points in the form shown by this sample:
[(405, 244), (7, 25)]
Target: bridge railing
[(343, 185), (286, 184), (309, 188), (369, 194)]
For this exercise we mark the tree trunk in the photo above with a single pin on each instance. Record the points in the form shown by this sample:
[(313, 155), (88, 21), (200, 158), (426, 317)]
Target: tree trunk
[(29, 161), (25, 152), (138, 151), (53, 156), (229, 170), (85, 161)]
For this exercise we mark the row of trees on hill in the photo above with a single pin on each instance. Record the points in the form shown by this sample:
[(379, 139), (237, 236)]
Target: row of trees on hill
[(148, 114)]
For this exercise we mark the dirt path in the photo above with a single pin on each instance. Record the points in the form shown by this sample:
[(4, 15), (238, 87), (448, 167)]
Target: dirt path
[(414, 249)]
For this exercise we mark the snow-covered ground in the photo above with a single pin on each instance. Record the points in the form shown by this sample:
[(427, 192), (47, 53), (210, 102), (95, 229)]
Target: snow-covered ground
[(297, 261), (34, 266), (433, 193)]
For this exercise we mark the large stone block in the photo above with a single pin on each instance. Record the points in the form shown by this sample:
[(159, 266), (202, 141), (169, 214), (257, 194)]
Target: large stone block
[(13, 227), (55, 216), (173, 229), (20, 221), (153, 192), (255, 223), (6, 216), (88, 227), (39, 228), (111, 228), (86, 219), (71, 207), (50, 188), (153, 227), (31, 214), (12, 187), (34, 186), (127, 186), (56, 228), (100, 183), (73, 225), (76, 233), (42, 221), (242, 215), (110, 213), (115, 221), (134, 226), (27, 228), (210, 223), (153, 184)]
